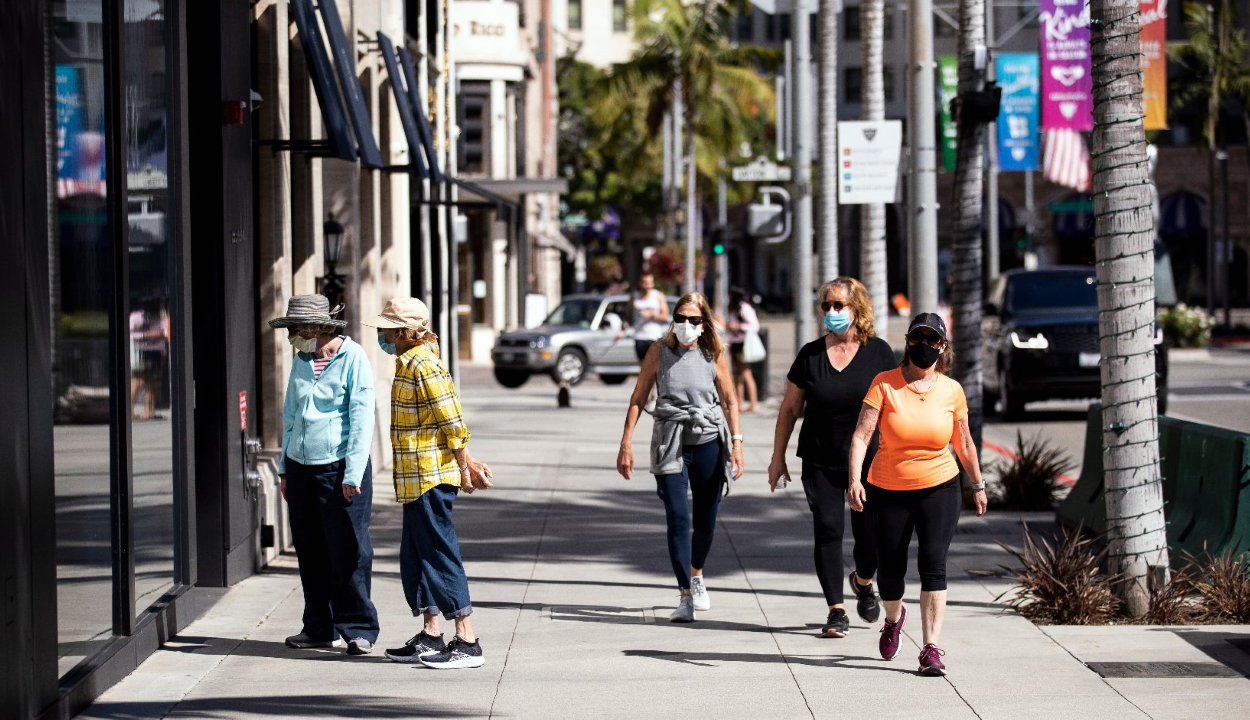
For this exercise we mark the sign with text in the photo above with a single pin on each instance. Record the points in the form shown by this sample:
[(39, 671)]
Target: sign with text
[(243, 410), (1154, 62), (868, 154), (486, 32), (761, 169), (1020, 111), (1067, 86), (948, 88)]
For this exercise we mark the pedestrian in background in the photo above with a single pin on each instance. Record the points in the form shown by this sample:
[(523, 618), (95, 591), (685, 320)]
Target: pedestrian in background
[(913, 482), (740, 320), (432, 464), (650, 315), (327, 476), (695, 441), (826, 386)]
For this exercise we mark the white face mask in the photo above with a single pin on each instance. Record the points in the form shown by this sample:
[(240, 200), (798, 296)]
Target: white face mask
[(306, 345), (686, 333)]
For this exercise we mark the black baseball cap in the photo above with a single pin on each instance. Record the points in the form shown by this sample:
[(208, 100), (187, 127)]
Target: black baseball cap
[(933, 321)]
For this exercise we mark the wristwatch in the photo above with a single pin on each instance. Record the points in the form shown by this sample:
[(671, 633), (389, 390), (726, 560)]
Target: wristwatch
[(978, 486)]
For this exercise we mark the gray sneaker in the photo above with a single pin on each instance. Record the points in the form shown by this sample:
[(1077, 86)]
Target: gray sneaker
[(702, 601), (684, 612), (304, 641), (359, 646)]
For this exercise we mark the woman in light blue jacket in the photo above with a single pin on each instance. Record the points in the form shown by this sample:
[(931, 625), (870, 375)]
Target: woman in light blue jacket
[(327, 477)]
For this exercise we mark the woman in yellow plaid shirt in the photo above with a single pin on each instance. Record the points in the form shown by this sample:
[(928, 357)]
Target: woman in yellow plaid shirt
[(432, 464)]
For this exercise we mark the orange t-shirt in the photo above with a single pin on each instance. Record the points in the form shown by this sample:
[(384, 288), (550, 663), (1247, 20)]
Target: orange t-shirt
[(916, 431)]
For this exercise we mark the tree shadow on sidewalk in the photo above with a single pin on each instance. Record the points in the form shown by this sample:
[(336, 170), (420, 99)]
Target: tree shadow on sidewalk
[(350, 704), (706, 659)]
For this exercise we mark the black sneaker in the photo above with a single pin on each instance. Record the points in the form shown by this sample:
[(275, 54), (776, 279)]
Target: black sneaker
[(304, 641), (866, 602), (837, 625), (459, 654), (420, 644)]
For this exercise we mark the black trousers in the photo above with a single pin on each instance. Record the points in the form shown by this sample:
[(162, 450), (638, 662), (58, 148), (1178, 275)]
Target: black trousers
[(932, 514), (826, 498), (334, 551)]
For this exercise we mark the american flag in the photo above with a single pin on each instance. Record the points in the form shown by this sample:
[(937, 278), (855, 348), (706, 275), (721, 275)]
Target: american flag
[(1066, 159)]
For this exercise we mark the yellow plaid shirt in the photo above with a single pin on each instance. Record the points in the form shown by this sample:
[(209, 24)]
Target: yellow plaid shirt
[(426, 424)]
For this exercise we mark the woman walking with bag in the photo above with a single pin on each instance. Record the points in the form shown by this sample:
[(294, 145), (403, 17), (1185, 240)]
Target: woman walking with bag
[(695, 442), (826, 387), (743, 325), (913, 483)]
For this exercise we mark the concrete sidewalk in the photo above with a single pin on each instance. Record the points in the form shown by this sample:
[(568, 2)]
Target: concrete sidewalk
[(572, 588)]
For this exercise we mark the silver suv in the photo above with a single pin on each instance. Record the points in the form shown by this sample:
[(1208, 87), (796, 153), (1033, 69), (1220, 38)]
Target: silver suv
[(584, 334)]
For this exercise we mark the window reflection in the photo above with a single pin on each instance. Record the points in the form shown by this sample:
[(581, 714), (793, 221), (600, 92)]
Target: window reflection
[(80, 252), (147, 180)]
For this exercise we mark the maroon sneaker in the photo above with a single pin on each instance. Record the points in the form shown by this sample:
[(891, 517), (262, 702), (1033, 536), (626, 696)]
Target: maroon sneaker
[(891, 633), (930, 661)]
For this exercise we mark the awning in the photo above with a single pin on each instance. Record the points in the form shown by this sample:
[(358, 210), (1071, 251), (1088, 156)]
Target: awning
[(558, 242), (328, 99), (514, 189), (416, 152), (345, 63)]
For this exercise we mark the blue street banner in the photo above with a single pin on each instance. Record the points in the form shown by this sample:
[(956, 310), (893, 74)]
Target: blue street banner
[(68, 121), (1020, 114)]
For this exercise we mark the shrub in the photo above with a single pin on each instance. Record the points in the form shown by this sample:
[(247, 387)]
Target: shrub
[(1175, 602), (603, 269), (1029, 481), (1224, 582), (1186, 326), (1060, 584)]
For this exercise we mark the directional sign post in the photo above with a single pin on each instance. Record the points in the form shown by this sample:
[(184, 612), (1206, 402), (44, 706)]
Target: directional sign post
[(761, 169)]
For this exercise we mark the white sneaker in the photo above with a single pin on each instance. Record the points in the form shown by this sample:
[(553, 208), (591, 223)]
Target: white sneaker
[(684, 612), (702, 601)]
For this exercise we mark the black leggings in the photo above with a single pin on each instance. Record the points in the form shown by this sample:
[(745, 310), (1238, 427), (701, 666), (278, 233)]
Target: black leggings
[(933, 513), (826, 497)]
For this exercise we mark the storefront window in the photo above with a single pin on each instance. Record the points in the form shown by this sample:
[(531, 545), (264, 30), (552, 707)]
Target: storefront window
[(85, 319), (81, 261), (148, 321)]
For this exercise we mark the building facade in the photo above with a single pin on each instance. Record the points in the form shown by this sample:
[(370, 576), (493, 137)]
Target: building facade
[(177, 171)]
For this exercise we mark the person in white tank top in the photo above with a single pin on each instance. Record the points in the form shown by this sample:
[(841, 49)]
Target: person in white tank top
[(650, 315)]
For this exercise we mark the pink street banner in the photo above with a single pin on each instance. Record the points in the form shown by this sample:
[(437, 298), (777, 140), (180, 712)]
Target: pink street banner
[(1154, 62), (1067, 88)]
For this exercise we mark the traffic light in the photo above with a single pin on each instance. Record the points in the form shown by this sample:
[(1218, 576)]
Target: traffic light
[(719, 245)]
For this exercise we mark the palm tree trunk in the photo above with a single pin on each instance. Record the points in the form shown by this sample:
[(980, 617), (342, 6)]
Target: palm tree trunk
[(693, 207), (1123, 246), (827, 164), (966, 287), (872, 241)]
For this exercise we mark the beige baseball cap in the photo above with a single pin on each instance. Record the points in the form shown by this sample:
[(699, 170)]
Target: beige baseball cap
[(402, 312)]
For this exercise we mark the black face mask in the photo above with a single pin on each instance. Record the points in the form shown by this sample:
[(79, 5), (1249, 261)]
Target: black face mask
[(923, 355)]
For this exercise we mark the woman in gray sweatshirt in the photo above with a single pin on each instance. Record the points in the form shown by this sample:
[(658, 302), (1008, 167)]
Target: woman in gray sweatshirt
[(695, 442)]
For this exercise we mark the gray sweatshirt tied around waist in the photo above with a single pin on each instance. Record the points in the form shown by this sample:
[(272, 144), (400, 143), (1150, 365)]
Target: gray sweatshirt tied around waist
[(687, 410)]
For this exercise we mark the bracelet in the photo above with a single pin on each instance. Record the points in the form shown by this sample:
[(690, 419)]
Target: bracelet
[(978, 486), (464, 468)]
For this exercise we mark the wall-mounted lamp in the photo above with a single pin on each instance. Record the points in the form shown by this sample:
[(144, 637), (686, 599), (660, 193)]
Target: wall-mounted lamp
[(332, 283)]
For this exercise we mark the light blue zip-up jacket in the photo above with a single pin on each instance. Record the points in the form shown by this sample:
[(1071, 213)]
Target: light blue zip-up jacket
[(330, 418)]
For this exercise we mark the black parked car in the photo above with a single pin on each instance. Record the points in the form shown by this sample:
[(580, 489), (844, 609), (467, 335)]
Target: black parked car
[(1041, 340)]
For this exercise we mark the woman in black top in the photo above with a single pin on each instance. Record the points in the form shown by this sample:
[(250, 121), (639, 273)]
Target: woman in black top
[(830, 377)]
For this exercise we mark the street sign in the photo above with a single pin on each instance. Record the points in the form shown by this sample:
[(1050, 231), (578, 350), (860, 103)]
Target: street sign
[(761, 169), (868, 154)]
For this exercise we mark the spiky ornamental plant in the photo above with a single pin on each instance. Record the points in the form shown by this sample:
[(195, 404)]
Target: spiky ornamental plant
[(1124, 250)]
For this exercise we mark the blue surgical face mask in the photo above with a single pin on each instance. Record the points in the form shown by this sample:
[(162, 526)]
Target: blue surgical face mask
[(387, 347), (838, 321)]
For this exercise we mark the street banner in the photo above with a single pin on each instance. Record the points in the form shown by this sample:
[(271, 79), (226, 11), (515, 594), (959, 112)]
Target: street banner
[(1017, 75), (868, 154), (1067, 87), (948, 88), (1154, 62)]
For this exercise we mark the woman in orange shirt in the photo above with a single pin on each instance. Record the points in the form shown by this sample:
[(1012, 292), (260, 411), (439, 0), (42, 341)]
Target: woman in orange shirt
[(913, 483)]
